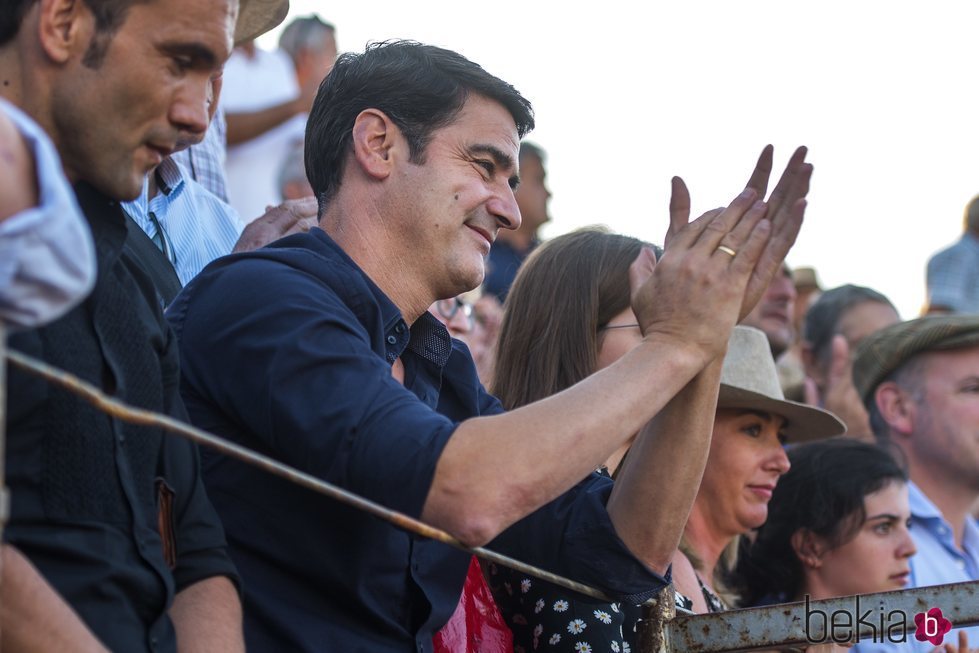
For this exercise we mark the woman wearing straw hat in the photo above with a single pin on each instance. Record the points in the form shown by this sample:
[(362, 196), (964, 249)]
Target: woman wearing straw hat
[(551, 340)]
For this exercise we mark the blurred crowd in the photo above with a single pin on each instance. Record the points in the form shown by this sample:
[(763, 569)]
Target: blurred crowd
[(336, 261)]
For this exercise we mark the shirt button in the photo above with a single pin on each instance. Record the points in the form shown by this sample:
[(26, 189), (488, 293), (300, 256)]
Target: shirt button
[(960, 564), (400, 328), (392, 340)]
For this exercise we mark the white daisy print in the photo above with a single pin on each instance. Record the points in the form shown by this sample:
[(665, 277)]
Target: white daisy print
[(525, 585), (626, 648), (560, 605), (582, 647), (615, 647), (615, 607), (555, 638), (538, 606), (603, 616), (538, 629), (576, 626)]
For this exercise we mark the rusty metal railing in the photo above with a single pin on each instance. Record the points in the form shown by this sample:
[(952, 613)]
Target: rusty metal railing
[(664, 629), (887, 616)]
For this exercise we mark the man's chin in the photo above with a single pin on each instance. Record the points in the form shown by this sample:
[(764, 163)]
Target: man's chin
[(123, 188)]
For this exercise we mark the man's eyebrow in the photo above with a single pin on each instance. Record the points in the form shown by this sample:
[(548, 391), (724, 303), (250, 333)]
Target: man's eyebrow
[(201, 55), (500, 158)]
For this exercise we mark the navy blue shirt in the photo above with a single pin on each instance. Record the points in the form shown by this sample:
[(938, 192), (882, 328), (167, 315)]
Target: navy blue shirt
[(288, 350), (113, 514)]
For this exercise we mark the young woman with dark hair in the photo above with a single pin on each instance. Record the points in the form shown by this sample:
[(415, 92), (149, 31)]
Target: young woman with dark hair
[(837, 525)]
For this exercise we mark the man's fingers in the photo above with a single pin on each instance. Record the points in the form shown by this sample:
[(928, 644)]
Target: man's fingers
[(762, 172), (722, 225), (641, 269), (304, 207), (783, 237), (839, 367), (810, 393), (679, 209), (786, 181), (746, 258), (301, 226), (735, 240)]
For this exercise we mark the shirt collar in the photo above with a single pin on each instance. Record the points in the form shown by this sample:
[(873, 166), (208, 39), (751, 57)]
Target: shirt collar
[(169, 177), (427, 337), (430, 339), (921, 506)]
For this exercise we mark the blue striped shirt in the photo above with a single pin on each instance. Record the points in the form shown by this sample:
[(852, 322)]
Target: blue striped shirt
[(197, 225)]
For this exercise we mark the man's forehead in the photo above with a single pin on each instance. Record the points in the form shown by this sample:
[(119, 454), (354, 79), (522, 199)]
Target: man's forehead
[(962, 360), (484, 120), (188, 24)]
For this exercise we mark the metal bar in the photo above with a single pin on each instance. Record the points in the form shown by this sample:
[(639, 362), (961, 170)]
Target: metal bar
[(789, 626), (882, 616), (121, 410), (653, 632)]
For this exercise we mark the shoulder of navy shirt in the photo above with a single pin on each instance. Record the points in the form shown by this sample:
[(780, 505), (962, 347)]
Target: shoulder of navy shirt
[(288, 350)]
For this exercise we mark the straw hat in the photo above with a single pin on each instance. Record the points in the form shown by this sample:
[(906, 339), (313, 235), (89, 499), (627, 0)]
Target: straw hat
[(749, 380), (255, 17)]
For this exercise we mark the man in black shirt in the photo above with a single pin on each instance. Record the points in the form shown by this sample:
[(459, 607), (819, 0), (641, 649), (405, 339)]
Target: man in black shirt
[(121, 547)]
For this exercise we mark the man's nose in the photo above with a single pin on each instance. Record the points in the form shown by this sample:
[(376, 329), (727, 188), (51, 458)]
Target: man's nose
[(189, 111), (504, 208)]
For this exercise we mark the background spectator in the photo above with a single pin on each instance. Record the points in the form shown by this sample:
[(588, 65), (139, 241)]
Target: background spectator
[(512, 246), (953, 273), (920, 382), (835, 325), (266, 98)]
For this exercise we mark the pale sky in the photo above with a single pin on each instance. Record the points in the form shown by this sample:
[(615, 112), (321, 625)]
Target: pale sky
[(883, 93)]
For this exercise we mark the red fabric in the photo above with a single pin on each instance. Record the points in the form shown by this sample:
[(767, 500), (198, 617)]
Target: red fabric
[(477, 625)]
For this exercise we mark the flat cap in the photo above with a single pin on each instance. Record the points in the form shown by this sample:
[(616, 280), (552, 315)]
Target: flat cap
[(883, 352)]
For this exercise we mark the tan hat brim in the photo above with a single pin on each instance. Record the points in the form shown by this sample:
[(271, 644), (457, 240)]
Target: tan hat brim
[(255, 17), (804, 422)]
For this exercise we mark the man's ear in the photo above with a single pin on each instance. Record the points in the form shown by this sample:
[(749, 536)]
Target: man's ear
[(808, 547), (65, 28), (896, 406), (374, 137)]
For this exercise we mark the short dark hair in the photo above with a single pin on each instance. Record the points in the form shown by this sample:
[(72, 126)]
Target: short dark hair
[(822, 493), (419, 87), (824, 316), (11, 17), (109, 16)]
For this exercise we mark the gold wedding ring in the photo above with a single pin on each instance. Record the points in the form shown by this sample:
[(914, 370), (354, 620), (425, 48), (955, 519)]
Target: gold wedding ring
[(726, 250)]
